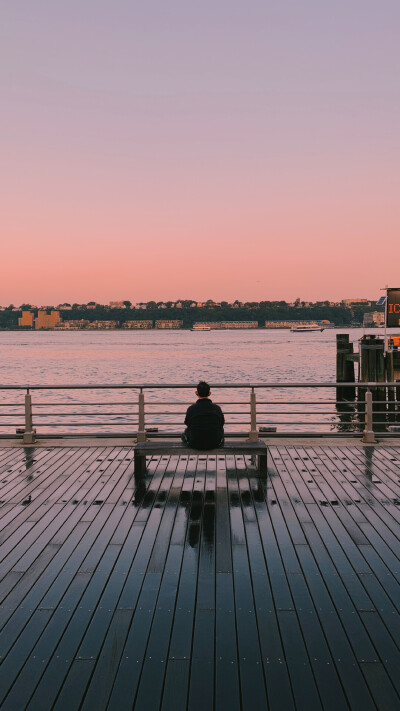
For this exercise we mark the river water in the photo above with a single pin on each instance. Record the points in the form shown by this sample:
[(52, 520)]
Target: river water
[(163, 357)]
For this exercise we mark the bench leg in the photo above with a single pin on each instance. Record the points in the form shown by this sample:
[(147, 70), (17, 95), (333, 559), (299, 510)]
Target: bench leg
[(263, 464), (139, 465)]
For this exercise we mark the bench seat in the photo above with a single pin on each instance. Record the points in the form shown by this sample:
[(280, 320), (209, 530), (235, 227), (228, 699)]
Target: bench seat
[(170, 448)]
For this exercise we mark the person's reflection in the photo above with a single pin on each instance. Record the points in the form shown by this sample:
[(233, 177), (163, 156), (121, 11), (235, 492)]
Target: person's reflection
[(369, 453), (29, 453)]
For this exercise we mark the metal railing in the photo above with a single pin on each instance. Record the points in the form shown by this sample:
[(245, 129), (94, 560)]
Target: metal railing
[(358, 409)]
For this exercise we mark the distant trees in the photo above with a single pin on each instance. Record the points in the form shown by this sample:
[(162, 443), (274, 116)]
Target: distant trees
[(262, 311)]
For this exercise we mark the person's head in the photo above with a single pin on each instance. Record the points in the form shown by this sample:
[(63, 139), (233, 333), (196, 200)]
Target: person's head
[(203, 389)]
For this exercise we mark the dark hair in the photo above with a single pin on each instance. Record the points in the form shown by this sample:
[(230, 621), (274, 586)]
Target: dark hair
[(203, 389)]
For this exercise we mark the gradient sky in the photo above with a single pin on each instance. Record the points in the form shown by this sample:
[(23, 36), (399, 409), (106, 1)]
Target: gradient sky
[(179, 149)]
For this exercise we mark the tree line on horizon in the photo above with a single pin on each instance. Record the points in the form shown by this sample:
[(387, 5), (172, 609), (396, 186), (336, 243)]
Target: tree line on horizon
[(340, 315)]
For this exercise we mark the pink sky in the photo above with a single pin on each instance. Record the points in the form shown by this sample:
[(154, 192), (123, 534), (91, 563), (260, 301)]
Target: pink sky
[(199, 152)]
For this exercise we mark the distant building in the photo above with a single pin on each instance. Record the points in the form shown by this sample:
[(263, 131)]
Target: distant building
[(47, 320), (355, 302), (239, 324), (165, 323), (218, 325), (27, 319), (374, 318), (75, 324), (102, 324), (117, 305), (137, 324)]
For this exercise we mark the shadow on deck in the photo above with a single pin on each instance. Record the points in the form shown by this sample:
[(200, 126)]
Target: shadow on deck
[(203, 586)]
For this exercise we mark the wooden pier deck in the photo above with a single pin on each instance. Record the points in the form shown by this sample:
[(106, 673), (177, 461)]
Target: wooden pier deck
[(203, 586)]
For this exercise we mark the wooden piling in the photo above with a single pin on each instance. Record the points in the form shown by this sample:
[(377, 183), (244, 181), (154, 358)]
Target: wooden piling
[(344, 366), (391, 392)]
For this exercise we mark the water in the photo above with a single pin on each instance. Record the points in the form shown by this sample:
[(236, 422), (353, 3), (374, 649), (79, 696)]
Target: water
[(136, 357)]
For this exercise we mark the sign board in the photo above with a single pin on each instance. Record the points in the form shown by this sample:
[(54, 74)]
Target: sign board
[(393, 308)]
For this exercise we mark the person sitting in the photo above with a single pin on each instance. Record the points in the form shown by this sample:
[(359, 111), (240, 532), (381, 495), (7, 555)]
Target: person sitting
[(204, 421)]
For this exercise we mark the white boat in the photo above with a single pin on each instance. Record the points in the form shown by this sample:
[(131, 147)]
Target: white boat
[(200, 327), (308, 327)]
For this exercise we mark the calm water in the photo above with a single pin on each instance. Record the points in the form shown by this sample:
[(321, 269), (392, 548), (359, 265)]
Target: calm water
[(163, 357)]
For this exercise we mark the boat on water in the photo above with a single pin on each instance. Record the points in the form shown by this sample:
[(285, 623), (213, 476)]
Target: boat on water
[(307, 328), (200, 327)]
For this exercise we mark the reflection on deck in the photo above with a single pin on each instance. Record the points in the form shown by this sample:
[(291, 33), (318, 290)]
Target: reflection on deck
[(203, 586)]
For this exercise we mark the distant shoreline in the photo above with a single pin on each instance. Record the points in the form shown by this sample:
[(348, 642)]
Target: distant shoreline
[(164, 330)]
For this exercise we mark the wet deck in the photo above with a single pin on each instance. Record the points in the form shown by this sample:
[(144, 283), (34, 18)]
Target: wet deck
[(204, 586)]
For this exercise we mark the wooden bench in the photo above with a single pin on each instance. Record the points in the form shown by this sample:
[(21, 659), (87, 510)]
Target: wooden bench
[(142, 449)]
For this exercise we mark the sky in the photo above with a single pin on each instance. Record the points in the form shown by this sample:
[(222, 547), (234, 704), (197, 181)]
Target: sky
[(225, 150)]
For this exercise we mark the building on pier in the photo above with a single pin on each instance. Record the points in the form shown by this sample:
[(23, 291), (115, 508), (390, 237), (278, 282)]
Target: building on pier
[(167, 323), (141, 324)]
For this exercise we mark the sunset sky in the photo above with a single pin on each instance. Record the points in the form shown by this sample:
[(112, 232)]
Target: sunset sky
[(225, 149)]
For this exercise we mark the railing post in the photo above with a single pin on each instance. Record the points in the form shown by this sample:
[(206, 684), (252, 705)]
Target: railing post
[(369, 436), (29, 433), (141, 434), (253, 434)]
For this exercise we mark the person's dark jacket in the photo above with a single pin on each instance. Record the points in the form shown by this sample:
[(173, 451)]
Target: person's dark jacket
[(205, 424)]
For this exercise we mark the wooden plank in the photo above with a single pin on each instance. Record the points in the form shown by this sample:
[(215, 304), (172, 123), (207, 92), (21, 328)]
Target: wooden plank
[(253, 692), (305, 614), (182, 631), (176, 685), (150, 683), (227, 683), (128, 674), (340, 647)]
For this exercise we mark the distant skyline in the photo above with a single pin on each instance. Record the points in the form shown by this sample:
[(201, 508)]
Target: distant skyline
[(35, 305), (177, 150)]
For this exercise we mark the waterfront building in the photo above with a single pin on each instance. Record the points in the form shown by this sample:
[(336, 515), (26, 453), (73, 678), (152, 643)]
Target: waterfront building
[(27, 319), (102, 324), (374, 318), (138, 324), (218, 325), (75, 324), (238, 324), (168, 323), (355, 302), (47, 320)]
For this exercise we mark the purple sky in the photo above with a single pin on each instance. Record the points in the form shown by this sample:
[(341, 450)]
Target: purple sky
[(216, 150)]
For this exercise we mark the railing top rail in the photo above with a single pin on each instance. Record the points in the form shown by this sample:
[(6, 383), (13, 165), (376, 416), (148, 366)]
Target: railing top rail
[(173, 386)]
